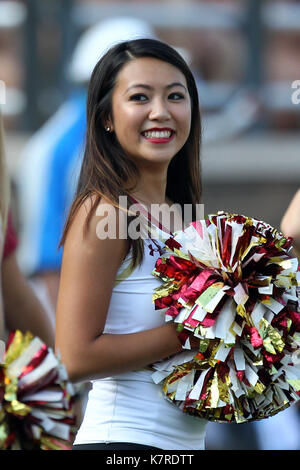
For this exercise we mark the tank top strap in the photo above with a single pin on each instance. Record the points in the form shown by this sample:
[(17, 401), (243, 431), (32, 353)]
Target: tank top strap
[(157, 234), (150, 218)]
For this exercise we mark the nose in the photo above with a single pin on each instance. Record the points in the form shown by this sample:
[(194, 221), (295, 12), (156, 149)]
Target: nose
[(159, 110)]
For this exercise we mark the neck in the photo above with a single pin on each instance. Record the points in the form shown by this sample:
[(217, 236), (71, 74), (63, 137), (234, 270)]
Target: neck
[(151, 189)]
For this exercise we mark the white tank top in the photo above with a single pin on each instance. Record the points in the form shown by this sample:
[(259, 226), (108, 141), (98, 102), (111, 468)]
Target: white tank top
[(130, 407)]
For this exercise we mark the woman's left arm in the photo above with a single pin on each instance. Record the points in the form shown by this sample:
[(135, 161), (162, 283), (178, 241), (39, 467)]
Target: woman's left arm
[(290, 223), (22, 309)]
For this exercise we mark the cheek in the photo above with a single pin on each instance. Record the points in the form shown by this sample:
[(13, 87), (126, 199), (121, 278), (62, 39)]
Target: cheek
[(127, 128), (128, 121), (122, 117)]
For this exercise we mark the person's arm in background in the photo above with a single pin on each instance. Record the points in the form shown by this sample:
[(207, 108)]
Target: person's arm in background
[(22, 309), (290, 223), (51, 281)]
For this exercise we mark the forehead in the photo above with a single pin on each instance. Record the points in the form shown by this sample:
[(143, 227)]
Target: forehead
[(151, 71)]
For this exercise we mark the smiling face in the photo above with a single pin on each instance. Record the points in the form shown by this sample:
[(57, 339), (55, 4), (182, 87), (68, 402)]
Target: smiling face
[(151, 110)]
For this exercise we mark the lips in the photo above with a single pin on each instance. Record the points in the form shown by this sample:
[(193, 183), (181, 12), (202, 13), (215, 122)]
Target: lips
[(158, 134)]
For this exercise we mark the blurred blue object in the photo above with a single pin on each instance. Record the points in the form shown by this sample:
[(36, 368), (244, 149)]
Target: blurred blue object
[(46, 184)]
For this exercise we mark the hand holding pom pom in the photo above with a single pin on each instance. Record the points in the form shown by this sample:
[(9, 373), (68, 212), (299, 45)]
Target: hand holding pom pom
[(35, 397), (229, 281)]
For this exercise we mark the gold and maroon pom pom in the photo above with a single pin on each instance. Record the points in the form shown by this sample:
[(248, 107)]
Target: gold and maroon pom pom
[(231, 282), (35, 397)]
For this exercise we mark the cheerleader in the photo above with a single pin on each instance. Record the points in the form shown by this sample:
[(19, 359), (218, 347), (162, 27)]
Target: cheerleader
[(142, 144)]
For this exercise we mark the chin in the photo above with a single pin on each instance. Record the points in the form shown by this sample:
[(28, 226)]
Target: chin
[(154, 157), (159, 159)]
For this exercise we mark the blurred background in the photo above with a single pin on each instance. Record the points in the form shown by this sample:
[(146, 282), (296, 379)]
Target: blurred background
[(245, 55)]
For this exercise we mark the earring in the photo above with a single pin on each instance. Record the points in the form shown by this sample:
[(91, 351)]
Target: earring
[(107, 129)]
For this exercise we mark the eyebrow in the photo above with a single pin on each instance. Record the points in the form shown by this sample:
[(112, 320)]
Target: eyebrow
[(148, 87)]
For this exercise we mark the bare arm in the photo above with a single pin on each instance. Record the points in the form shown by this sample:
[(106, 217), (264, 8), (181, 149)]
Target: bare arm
[(88, 273), (22, 308), (51, 280), (290, 223)]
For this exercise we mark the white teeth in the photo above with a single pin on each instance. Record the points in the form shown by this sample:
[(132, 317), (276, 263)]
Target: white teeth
[(157, 134)]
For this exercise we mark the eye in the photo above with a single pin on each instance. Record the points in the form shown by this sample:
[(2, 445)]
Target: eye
[(176, 96), (138, 97)]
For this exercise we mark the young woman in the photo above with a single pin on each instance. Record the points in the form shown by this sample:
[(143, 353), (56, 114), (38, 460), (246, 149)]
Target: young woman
[(142, 143)]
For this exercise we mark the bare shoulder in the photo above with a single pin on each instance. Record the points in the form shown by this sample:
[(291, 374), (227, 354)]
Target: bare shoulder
[(290, 224), (297, 197), (97, 233)]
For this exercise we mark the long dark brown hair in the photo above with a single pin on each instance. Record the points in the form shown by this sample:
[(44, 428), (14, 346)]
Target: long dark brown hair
[(106, 170)]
